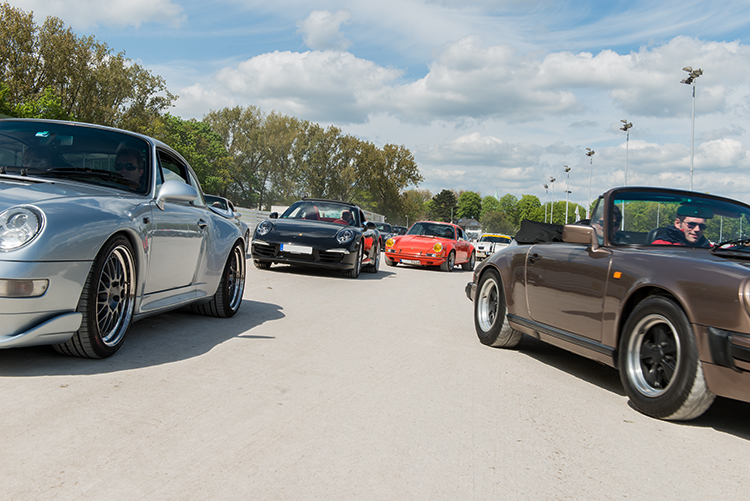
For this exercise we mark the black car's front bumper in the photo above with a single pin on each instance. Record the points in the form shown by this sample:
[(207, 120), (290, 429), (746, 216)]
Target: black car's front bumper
[(335, 259), (471, 290)]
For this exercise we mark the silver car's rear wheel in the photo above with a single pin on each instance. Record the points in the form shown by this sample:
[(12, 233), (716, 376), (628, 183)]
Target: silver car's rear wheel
[(226, 301), (106, 303)]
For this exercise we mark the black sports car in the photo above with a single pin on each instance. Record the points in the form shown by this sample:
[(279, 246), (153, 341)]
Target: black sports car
[(318, 232)]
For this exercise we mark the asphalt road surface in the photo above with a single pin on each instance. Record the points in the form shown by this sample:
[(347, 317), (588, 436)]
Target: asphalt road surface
[(324, 387)]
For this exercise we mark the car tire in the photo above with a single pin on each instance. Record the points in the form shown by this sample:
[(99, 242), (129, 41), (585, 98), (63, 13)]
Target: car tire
[(469, 265), (449, 263), (659, 365), (354, 272), (106, 302), (247, 242), (490, 314), (228, 297), (391, 262), (374, 267), (262, 265)]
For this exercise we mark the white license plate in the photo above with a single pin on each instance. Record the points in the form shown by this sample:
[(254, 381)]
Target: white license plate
[(410, 261), (296, 249)]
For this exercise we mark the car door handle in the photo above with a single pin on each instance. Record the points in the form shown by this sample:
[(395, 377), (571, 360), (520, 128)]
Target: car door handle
[(202, 224), (534, 258)]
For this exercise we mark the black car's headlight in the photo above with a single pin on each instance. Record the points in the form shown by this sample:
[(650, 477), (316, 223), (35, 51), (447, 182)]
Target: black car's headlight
[(344, 236), (263, 228), (19, 226)]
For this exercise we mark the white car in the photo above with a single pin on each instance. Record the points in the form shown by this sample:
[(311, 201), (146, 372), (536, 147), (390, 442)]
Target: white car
[(489, 243)]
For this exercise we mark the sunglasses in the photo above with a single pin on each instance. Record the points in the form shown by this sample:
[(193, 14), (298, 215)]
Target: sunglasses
[(701, 226), (126, 166)]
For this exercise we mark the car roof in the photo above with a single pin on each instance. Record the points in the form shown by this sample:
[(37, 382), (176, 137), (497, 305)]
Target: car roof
[(350, 204)]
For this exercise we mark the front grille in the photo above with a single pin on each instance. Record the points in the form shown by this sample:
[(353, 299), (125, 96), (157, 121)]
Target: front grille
[(264, 250), (330, 257)]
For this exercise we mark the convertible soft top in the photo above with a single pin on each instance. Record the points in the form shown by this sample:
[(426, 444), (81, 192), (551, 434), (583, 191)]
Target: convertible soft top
[(534, 232)]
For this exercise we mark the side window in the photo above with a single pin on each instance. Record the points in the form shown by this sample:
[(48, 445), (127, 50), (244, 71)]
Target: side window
[(171, 168), (597, 220), (460, 234)]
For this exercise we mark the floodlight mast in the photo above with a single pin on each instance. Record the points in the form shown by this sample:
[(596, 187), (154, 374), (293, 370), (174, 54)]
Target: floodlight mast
[(590, 154), (690, 80)]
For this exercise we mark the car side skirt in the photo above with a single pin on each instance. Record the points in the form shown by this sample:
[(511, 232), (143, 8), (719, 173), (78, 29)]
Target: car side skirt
[(566, 340)]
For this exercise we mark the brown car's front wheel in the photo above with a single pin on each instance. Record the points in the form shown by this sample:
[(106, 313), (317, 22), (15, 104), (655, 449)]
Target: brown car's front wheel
[(659, 365)]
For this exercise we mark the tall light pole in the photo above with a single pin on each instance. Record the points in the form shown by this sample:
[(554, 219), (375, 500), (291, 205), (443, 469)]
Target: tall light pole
[(690, 80), (626, 127), (552, 204), (590, 154), (546, 200), (567, 193)]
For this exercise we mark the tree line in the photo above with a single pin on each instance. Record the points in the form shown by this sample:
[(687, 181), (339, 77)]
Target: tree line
[(256, 159)]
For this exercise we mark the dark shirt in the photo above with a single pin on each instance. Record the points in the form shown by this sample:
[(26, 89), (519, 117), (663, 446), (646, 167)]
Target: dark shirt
[(674, 236)]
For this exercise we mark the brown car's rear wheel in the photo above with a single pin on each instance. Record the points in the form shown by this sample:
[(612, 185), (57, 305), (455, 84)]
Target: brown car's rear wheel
[(490, 314), (659, 365)]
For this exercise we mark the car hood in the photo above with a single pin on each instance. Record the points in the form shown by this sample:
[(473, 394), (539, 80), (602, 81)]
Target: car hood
[(420, 241), (291, 229), (17, 191)]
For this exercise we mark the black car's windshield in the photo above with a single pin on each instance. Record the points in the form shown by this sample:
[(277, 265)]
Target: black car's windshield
[(384, 227), (654, 217), (432, 230), (84, 154), (323, 210)]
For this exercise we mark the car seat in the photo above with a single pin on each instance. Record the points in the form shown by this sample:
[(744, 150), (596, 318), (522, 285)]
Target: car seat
[(655, 234)]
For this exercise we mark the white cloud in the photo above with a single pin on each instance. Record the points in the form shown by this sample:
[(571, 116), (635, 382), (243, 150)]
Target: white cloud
[(321, 30), (84, 14)]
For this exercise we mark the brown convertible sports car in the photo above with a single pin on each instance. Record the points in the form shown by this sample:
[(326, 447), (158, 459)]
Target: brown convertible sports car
[(656, 284)]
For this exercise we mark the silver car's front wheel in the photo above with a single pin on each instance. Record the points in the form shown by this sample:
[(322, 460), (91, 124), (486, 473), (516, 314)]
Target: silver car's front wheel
[(106, 303)]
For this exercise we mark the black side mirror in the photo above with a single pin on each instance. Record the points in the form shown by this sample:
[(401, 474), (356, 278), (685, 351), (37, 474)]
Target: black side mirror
[(274, 215), (370, 225)]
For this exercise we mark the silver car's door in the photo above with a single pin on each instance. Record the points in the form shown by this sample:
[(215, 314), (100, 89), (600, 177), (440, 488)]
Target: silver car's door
[(566, 284), (178, 235)]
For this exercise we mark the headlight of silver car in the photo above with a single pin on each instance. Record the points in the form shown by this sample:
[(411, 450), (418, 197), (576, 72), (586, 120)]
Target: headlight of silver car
[(18, 226), (344, 236), (263, 228)]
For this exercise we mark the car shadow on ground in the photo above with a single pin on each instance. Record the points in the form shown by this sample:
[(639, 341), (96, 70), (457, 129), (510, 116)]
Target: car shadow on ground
[(312, 271), (725, 415), (161, 339)]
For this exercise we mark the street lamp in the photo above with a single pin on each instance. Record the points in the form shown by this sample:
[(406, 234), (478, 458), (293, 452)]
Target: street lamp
[(546, 200), (590, 154), (552, 204), (690, 80), (567, 185), (626, 127)]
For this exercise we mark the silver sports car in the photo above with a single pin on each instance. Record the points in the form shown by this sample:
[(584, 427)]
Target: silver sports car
[(100, 227)]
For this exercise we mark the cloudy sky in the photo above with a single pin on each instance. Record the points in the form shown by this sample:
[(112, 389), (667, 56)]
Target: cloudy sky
[(493, 96)]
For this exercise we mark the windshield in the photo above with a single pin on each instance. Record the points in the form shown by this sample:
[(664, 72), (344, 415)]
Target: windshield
[(84, 154), (495, 239), (670, 218), (322, 210), (432, 230), (384, 227)]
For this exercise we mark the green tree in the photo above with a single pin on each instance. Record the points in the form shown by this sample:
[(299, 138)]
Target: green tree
[(509, 206), (529, 207), (443, 206), (415, 203), (469, 205), (202, 148), (92, 83), (489, 204), (497, 222)]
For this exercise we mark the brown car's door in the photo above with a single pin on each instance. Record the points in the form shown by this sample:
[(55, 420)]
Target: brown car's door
[(566, 285)]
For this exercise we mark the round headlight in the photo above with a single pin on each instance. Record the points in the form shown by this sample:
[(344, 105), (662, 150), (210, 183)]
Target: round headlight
[(437, 247), (390, 242), (18, 226), (344, 236), (263, 228)]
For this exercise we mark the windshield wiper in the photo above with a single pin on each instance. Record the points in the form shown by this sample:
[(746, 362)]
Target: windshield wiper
[(73, 172), (731, 245)]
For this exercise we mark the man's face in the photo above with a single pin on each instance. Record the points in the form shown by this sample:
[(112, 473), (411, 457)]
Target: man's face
[(692, 227), (127, 165)]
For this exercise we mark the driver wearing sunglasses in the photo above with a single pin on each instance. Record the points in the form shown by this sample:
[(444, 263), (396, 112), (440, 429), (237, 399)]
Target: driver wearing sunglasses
[(129, 164), (689, 225)]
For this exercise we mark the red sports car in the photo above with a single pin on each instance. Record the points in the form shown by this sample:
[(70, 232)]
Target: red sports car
[(429, 243)]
